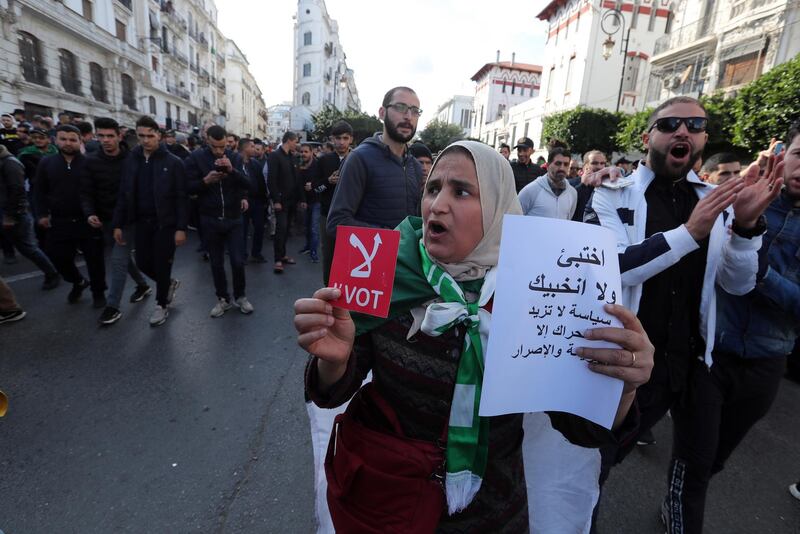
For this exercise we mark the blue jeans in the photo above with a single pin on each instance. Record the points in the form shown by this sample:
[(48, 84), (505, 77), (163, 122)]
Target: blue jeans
[(221, 234), (24, 239), (257, 214), (312, 228), (122, 265)]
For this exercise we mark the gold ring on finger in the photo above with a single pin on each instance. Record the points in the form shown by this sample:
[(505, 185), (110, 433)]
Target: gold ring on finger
[(633, 361)]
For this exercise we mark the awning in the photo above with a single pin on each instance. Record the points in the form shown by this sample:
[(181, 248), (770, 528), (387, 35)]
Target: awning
[(743, 48)]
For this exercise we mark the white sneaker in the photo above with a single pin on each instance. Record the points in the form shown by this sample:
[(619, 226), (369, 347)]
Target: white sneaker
[(159, 316), (794, 489), (220, 307), (244, 305)]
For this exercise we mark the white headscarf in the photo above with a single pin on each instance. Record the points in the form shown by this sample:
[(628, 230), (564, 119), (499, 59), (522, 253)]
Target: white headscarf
[(498, 197)]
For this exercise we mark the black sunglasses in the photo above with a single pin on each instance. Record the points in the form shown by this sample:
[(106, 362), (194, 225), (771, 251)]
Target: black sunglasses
[(671, 124)]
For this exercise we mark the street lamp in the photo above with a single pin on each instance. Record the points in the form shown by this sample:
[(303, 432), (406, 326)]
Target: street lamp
[(616, 18)]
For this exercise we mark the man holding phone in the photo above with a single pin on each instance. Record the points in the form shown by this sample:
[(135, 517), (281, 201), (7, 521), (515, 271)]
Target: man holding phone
[(216, 176)]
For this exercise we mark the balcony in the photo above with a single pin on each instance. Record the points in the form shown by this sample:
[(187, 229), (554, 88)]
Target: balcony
[(126, 3), (206, 104), (687, 37), (203, 41), (205, 76), (35, 74), (221, 58), (221, 84)]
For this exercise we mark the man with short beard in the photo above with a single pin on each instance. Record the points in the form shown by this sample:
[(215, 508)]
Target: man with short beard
[(380, 183), (525, 171), (58, 208), (677, 240), (551, 195)]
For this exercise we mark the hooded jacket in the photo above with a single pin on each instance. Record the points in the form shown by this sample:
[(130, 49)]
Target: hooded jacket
[(376, 188), (220, 199), (13, 201), (100, 183), (171, 200)]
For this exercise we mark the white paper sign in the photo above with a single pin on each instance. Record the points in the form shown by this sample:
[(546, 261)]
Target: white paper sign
[(554, 277)]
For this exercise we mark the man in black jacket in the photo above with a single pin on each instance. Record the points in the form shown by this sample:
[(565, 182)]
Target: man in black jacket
[(286, 192), (329, 165), (258, 198), (216, 176), (58, 180), (17, 222), (99, 192), (152, 197), (525, 171)]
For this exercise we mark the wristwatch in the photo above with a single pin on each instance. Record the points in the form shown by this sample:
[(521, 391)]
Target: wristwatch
[(749, 233)]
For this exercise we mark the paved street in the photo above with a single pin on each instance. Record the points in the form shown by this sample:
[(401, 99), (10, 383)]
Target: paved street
[(200, 426)]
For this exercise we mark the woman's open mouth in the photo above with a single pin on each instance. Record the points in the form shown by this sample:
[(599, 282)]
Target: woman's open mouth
[(436, 229)]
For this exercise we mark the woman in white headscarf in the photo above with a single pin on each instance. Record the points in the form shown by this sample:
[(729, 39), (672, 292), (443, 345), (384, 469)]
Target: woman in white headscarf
[(427, 356)]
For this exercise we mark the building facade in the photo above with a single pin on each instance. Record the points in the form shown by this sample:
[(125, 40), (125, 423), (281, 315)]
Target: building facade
[(321, 75), (279, 121), (458, 111), (116, 58), (246, 112), (722, 45), (498, 87)]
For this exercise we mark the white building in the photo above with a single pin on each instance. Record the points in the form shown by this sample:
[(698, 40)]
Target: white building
[(458, 111), (498, 87), (246, 112), (722, 45), (279, 121), (575, 70), (321, 74), (115, 58)]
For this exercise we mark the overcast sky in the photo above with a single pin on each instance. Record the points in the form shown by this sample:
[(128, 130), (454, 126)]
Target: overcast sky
[(433, 46)]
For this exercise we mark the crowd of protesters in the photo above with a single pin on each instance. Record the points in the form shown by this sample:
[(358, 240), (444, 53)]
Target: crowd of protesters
[(709, 253)]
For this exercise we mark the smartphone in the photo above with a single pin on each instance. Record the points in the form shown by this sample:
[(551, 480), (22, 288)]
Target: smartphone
[(778, 148), (220, 168)]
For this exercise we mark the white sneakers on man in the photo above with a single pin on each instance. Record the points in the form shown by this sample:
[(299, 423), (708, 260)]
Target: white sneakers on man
[(220, 307), (244, 305), (159, 316)]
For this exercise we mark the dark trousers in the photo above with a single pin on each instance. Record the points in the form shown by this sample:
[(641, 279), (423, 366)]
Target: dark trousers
[(328, 242), (711, 419), (257, 215), (155, 251), (22, 236), (282, 220), (6, 244), (64, 238), (222, 234), (194, 220)]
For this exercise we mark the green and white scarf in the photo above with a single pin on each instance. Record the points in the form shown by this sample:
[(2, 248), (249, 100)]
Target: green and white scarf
[(467, 434)]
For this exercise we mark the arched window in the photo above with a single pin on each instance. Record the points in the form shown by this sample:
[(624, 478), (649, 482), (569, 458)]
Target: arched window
[(98, 82), (152, 101), (30, 51), (128, 92), (69, 72), (306, 99)]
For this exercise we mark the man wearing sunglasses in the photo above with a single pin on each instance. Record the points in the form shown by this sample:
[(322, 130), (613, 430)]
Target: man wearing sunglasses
[(380, 183), (678, 238)]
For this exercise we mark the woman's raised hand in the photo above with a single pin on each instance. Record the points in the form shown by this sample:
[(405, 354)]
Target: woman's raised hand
[(323, 330)]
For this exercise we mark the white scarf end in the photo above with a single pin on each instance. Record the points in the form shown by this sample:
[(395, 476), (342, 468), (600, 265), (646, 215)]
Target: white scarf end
[(461, 489)]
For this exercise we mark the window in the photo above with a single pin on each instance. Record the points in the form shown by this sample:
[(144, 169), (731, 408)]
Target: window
[(741, 69), (550, 81), (169, 110), (465, 113), (128, 92), (307, 39), (69, 72), (154, 63), (164, 39), (670, 19), (98, 82), (513, 87), (306, 70), (122, 30), (30, 51), (651, 24), (306, 99), (526, 129), (88, 11), (737, 8), (635, 14), (631, 73), (152, 102), (504, 86), (568, 81)]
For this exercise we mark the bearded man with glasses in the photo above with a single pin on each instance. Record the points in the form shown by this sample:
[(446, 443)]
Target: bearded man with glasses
[(677, 239)]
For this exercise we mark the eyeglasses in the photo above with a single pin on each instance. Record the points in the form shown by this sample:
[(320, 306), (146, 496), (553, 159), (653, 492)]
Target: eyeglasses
[(671, 124), (404, 108)]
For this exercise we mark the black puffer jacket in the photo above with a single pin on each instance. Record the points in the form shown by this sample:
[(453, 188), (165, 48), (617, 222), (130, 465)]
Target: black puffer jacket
[(57, 191), (100, 184), (13, 201), (220, 199)]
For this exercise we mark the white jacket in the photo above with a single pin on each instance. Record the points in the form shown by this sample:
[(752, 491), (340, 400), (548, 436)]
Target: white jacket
[(732, 261)]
